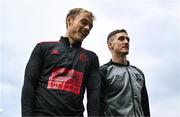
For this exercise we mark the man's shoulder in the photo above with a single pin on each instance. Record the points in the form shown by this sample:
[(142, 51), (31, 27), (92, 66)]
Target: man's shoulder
[(105, 66), (48, 42), (135, 67), (88, 52), (138, 69)]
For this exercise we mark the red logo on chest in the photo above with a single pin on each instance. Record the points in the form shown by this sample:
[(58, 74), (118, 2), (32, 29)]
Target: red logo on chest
[(66, 79), (82, 57), (55, 52)]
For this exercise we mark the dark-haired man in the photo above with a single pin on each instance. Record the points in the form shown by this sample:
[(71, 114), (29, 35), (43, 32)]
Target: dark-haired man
[(123, 90)]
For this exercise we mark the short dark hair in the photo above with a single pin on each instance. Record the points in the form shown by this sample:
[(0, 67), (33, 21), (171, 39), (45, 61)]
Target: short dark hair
[(75, 11), (115, 32)]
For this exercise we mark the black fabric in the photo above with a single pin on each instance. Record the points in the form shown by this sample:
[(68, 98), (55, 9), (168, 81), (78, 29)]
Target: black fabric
[(56, 76), (103, 72), (144, 97), (145, 102)]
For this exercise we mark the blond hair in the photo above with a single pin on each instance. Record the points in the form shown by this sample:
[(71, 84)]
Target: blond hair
[(75, 11)]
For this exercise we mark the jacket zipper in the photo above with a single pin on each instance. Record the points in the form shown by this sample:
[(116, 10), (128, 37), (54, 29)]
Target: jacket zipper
[(132, 91)]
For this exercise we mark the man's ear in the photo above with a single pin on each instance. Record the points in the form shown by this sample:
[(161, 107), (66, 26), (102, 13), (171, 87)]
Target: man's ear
[(69, 21), (109, 45)]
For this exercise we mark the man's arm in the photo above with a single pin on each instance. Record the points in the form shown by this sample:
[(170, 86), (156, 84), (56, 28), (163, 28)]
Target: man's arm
[(144, 96), (145, 101), (93, 88), (103, 71), (30, 82)]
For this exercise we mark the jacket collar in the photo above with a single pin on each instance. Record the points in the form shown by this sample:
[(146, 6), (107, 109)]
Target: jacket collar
[(118, 64), (65, 40)]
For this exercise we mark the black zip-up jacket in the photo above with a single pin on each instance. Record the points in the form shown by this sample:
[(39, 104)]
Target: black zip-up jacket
[(123, 92), (55, 79)]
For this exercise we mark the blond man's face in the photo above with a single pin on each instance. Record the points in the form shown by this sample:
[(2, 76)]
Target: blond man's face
[(80, 26)]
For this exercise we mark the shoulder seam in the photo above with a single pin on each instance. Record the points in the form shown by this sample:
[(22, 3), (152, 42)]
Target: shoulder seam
[(49, 42)]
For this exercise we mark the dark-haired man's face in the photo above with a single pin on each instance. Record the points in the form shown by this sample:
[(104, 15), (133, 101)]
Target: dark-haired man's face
[(80, 26), (119, 43)]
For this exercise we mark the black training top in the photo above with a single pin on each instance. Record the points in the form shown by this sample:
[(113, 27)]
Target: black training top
[(55, 80)]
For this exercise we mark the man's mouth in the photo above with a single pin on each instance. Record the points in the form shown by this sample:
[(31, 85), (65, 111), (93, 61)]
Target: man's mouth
[(125, 47), (84, 33)]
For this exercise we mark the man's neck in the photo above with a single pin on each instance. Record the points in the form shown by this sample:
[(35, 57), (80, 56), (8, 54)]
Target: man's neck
[(121, 59), (71, 41)]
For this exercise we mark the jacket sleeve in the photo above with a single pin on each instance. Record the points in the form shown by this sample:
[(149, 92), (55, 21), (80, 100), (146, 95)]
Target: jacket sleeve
[(145, 100), (103, 72), (32, 73), (93, 88)]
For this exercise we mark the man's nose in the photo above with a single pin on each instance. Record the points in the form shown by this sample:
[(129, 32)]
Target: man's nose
[(126, 40)]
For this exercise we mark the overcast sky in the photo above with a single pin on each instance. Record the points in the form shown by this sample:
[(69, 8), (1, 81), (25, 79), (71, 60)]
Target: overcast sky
[(153, 26)]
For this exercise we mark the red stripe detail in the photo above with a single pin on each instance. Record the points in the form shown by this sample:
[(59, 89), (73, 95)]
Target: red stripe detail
[(49, 42), (64, 86)]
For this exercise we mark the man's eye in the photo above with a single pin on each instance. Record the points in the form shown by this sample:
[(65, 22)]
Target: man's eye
[(84, 23), (128, 39), (122, 38)]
